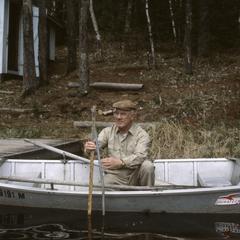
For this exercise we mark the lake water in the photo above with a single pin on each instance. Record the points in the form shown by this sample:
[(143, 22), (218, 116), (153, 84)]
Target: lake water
[(23, 223)]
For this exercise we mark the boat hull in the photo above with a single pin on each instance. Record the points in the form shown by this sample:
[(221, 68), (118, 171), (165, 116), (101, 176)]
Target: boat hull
[(197, 200), (56, 184)]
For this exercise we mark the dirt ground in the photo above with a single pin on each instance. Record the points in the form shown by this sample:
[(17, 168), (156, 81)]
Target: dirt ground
[(208, 97)]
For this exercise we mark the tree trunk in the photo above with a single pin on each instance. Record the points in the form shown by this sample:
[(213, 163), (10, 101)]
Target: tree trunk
[(60, 9), (187, 37), (173, 21), (95, 27), (128, 17), (83, 48), (203, 34), (30, 82), (239, 20), (43, 58), (127, 25), (179, 21), (71, 26), (152, 59)]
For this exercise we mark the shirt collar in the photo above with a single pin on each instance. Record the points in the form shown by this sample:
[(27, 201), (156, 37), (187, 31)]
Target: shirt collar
[(131, 130)]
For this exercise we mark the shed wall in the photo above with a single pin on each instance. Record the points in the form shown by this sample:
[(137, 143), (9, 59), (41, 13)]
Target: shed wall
[(4, 29), (3, 35)]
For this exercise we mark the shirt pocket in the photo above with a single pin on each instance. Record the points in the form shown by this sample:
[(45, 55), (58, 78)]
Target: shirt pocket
[(131, 148), (114, 151)]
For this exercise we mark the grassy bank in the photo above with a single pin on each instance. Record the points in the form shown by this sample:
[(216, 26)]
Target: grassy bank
[(172, 140), (169, 139)]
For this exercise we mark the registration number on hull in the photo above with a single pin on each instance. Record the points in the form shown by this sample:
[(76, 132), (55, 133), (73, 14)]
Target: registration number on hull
[(6, 193)]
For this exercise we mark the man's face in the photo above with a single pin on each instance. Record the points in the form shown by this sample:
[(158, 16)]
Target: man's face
[(123, 119)]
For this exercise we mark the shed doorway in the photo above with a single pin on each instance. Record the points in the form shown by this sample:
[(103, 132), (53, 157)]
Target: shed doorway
[(15, 8)]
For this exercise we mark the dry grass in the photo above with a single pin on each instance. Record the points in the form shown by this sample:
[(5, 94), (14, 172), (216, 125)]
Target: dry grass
[(172, 140), (169, 139), (20, 133)]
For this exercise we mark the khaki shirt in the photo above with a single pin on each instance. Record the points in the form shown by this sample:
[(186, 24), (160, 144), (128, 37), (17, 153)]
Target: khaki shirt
[(132, 148)]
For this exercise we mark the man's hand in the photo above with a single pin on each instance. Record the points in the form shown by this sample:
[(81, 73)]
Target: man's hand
[(89, 146), (111, 163)]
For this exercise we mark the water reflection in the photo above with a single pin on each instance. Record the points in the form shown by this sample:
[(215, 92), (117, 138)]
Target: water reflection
[(24, 223)]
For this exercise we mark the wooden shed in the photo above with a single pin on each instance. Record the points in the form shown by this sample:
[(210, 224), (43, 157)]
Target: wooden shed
[(11, 38)]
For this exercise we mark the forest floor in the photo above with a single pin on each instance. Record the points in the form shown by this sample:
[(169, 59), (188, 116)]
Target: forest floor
[(208, 98)]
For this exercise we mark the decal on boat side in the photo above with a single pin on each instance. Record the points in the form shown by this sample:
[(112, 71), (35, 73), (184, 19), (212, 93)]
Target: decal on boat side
[(5, 193), (230, 199)]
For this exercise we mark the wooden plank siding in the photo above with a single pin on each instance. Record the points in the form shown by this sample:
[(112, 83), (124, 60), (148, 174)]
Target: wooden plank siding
[(15, 148)]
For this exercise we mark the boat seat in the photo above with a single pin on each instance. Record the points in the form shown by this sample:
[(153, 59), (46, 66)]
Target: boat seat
[(206, 181), (29, 176), (159, 183), (236, 172)]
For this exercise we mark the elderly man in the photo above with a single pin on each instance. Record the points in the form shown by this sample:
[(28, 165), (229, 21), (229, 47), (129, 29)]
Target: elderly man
[(127, 144)]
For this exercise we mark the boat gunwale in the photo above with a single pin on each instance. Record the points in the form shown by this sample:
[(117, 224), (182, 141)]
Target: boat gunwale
[(192, 160), (156, 192), (154, 161)]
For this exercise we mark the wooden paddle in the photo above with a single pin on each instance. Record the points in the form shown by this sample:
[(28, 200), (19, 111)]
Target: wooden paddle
[(91, 167), (101, 170), (59, 151), (90, 186)]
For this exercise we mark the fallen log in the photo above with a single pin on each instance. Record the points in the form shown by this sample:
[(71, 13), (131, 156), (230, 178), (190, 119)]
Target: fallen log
[(111, 86), (73, 85), (99, 124), (105, 113), (15, 110), (86, 124), (20, 110), (116, 86), (6, 92)]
